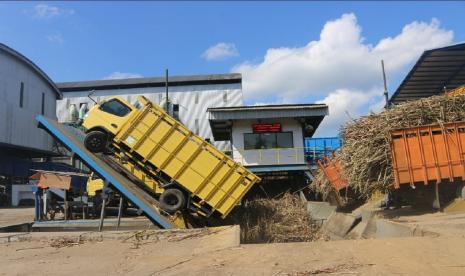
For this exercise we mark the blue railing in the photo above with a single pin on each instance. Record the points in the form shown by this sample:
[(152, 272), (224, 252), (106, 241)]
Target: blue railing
[(317, 148)]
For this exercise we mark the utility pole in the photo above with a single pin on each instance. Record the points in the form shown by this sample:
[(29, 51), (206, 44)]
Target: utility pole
[(386, 95), (167, 106)]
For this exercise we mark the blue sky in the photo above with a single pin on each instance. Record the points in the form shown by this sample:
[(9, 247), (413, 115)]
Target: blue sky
[(74, 41)]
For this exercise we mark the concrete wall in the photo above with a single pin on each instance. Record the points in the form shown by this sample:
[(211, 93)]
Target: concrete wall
[(294, 155), (193, 102), (17, 124), (19, 192)]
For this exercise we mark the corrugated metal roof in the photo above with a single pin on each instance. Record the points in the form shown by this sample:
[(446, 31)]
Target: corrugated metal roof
[(31, 64), (267, 111), (434, 70), (220, 117), (149, 82)]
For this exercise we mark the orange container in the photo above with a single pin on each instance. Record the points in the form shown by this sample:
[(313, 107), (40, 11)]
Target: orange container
[(332, 169), (428, 153)]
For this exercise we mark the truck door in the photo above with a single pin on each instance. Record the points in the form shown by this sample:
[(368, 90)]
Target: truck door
[(114, 114)]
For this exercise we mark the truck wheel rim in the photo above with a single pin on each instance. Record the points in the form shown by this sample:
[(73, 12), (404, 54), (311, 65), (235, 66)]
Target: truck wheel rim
[(95, 142), (171, 200)]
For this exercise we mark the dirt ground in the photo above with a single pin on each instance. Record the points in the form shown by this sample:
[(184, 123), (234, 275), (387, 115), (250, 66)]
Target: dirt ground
[(211, 252)]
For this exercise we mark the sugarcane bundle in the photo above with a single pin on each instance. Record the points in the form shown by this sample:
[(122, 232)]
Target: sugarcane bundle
[(366, 154)]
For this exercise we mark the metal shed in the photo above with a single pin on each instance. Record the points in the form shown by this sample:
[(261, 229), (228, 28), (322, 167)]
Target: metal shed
[(26, 91), (435, 72)]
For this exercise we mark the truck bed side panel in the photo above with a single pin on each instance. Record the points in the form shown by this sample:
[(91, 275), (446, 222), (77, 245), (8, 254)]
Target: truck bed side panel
[(187, 159)]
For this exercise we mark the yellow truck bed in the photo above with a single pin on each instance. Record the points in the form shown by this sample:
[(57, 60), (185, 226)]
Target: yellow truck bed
[(170, 151)]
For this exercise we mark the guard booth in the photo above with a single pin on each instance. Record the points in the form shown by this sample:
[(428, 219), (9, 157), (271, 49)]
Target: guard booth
[(270, 140)]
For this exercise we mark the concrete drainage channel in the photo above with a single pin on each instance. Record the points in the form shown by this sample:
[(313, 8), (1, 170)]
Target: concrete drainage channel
[(77, 225), (363, 223), (23, 227)]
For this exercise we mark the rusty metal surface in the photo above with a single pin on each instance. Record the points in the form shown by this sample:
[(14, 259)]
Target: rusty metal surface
[(332, 169), (431, 153)]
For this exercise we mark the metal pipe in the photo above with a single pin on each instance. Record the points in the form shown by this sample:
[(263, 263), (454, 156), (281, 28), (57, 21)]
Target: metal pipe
[(167, 105), (120, 211), (102, 214), (386, 96)]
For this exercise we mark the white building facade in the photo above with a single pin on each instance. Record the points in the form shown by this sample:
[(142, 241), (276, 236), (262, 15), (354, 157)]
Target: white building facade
[(267, 137), (268, 148), (189, 96)]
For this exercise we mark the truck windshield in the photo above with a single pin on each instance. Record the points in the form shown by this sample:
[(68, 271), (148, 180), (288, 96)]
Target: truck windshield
[(115, 107)]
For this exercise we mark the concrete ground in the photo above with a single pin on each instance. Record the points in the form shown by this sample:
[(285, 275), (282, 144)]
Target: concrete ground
[(15, 216)]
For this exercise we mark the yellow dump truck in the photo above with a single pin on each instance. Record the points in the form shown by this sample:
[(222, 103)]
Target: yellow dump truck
[(195, 175), (95, 183)]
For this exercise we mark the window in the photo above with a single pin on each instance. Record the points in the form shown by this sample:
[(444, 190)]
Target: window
[(284, 140), (225, 96), (251, 141), (115, 107), (21, 95), (268, 140), (43, 104), (197, 97)]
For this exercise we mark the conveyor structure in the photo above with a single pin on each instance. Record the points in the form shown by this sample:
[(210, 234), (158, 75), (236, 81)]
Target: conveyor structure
[(101, 166)]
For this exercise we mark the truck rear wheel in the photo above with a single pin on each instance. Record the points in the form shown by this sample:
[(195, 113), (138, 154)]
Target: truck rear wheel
[(172, 200), (95, 141)]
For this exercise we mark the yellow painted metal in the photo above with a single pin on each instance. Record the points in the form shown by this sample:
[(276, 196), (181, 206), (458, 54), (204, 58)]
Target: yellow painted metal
[(94, 184), (152, 136)]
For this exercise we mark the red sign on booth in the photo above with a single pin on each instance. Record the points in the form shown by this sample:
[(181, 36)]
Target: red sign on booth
[(260, 128)]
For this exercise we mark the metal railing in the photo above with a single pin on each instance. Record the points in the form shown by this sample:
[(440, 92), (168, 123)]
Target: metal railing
[(279, 156)]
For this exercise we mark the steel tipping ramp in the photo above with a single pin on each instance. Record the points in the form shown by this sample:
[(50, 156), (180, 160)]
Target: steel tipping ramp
[(134, 193)]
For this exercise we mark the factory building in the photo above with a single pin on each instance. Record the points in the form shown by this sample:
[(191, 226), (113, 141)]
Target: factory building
[(189, 97), (25, 91)]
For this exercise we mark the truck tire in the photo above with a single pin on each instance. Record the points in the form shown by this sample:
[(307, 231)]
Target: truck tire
[(172, 200), (95, 141)]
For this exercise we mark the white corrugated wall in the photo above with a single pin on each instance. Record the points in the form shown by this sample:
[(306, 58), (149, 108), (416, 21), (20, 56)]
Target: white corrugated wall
[(18, 126), (193, 102)]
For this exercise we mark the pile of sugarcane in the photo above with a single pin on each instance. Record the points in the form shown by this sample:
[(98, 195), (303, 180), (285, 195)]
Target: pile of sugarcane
[(283, 219), (366, 154)]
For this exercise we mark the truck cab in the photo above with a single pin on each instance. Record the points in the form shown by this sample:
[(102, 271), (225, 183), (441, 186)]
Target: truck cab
[(104, 121)]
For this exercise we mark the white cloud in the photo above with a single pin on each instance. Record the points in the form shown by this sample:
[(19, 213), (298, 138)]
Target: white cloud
[(339, 68), (346, 104), (56, 38), (47, 11), (121, 75), (220, 51)]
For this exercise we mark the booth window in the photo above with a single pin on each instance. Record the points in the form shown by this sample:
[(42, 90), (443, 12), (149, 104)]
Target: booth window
[(269, 140)]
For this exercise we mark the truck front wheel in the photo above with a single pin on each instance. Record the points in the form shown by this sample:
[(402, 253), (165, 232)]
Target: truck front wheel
[(95, 141), (172, 200)]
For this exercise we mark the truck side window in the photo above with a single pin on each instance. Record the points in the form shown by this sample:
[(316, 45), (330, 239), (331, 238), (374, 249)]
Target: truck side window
[(115, 107)]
